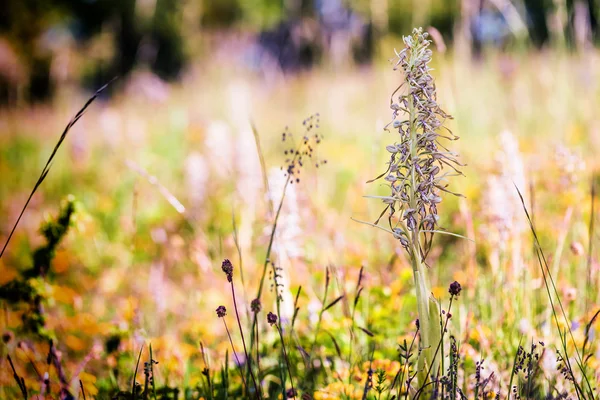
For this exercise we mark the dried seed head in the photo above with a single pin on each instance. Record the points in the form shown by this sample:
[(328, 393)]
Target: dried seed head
[(255, 306), (227, 267), (221, 311), (271, 318), (455, 288), (303, 150)]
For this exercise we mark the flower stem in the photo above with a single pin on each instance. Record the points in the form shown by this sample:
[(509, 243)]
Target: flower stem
[(236, 357), (248, 358), (287, 361)]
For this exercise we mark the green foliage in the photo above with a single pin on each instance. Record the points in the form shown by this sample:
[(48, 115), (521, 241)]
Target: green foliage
[(27, 292)]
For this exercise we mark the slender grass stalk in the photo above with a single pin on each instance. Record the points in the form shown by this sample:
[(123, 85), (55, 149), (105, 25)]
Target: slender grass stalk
[(82, 390), (272, 319), (152, 362), (248, 358), (320, 318), (296, 308), (146, 380), (258, 352), (298, 155), (227, 267), (221, 312), (514, 370), (591, 229), (317, 331), (263, 165), (206, 372), (20, 381), (550, 286), (236, 241), (225, 376), (237, 360), (357, 293), (268, 257), (255, 307), (133, 383), (369, 380), (406, 355), (454, 291)]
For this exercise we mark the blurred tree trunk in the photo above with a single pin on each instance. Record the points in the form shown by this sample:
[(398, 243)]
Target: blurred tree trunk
[(582, 27), (128, 39), (557, 21), (166, 37), (379, 16), (463, 37)]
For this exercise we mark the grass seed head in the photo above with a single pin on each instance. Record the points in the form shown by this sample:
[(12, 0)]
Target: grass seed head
[(271, 318), (227, 267), (255, 306), (455, 288), (221, 311)]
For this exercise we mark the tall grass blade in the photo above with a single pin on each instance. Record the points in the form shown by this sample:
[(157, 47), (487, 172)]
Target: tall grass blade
[(551, 288), (137, 364), (46, 169)]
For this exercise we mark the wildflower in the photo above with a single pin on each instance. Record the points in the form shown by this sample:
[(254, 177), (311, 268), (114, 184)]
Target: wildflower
[(415, 178), (271, 318), (221, 311), (417, 161), (255, 306), (228, 269), (455, 288)]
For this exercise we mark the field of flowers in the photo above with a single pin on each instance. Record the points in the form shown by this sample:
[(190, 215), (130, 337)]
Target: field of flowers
[(118, 260)]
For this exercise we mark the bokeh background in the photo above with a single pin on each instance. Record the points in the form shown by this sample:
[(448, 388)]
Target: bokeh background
[(49, 44), (177, 164)]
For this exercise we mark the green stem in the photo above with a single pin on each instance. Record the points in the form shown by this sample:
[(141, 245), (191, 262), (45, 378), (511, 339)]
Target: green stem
[(266, 264), (426, 325)]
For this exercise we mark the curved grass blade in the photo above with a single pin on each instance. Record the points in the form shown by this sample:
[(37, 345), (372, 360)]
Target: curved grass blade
[(550, 286), (49, 162), (133, 391)]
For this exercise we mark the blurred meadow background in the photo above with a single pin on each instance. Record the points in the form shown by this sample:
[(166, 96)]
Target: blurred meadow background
[(180, 164)]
